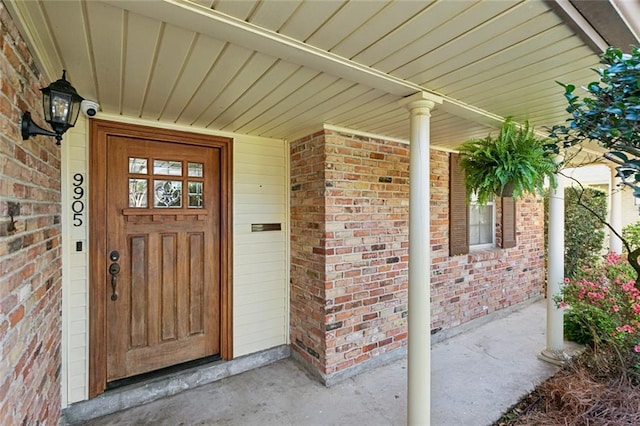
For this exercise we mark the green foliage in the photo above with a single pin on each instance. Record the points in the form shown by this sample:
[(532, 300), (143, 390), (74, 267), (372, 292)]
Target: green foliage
[(583, 232), (575, 330), (516, 156), (609, 113), (631, 233), (603, 299)]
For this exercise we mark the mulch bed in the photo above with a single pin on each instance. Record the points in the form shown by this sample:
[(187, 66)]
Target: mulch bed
[(576, 397)]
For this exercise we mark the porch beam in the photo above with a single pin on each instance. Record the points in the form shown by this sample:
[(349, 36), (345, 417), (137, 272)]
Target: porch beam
[(419, 334)]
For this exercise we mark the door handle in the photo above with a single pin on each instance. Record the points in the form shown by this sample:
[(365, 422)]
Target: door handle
[(114, 270)]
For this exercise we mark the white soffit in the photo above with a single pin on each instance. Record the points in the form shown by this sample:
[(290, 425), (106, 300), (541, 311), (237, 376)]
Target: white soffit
[(277, 68)]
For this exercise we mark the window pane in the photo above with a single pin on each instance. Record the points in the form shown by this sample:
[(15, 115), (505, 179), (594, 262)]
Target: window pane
[(480, 224), (195, 194), (485, 214), (474, 235), (171, 168), (137, 193), (138, 165), (195, 169), (486, 234), (167, 193)]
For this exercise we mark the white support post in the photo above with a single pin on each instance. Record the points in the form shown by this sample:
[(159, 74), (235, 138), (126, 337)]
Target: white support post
[(419, 334), (615, 219), (554, 351)]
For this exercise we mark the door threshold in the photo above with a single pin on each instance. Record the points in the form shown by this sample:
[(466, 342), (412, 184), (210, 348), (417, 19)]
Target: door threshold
[(152, 389), (163, 372)]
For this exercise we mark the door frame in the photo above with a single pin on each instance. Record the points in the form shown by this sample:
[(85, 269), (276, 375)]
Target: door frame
[(99, 132)]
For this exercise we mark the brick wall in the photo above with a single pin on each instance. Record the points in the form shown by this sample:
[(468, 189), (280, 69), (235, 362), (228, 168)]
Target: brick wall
[(349, 247), (30, 263), (469, 286), (308, 250)]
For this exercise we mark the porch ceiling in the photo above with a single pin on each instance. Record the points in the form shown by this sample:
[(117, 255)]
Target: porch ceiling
[(280, 69)]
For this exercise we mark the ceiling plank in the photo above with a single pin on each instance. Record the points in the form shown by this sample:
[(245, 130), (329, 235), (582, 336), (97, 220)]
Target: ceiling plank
[(238, 9), (531, 50), (226, 66), (138, 60), (106, 26), (479, 43), (172, 55), (349, 19), (310, 16), (393, 16), (321, 109), (274, 14), (242, 81), (411, 30), (73, 46), (319, 90), (278, 95), (200, 59), (264, 85)]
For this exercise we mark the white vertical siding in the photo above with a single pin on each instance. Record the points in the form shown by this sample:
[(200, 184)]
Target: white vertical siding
[(75, 264), (261, 265)]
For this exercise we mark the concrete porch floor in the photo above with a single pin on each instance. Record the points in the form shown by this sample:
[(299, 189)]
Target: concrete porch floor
[(476, 375)]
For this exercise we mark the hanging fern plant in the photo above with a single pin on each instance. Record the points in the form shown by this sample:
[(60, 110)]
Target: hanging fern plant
[(512, 164)]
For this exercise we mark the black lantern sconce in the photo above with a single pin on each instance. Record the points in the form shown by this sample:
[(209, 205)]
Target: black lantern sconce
[(61, 105)]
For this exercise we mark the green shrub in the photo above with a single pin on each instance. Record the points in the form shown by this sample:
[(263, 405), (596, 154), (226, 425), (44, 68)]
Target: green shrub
[(602, 298), (583, 232), (631, 233), (575, 330)]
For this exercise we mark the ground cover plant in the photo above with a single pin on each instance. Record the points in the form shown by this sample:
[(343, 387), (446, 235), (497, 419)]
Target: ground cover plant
[(602, 385)]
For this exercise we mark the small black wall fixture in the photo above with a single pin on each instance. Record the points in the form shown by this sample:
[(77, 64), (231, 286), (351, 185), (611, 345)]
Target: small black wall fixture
[(61, 105)]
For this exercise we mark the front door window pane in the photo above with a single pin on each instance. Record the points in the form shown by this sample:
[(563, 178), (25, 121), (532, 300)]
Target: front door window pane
[(137, 193), (195, 169), (138, 165), (163, 167), (195, 195), (167, 193)]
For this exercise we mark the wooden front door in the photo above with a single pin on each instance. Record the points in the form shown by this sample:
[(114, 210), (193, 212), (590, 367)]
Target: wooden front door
[(162, 266)]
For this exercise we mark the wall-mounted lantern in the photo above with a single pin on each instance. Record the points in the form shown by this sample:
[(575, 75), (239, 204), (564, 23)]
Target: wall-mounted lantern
[(61, 105)]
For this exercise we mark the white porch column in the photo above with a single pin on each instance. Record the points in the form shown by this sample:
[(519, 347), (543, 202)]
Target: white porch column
[(555, 275), (615, 219), (419, 322)]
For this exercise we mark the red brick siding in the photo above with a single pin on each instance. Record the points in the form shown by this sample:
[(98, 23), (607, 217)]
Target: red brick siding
[(359, 191), (469, 286), (367, 184), (30, 263), (307, 295)]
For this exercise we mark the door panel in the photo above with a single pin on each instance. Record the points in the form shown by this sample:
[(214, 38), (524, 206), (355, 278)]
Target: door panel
[(163, 217), (139, 227)]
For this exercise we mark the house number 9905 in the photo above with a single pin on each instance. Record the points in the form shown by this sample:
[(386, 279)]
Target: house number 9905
[(77, 206)]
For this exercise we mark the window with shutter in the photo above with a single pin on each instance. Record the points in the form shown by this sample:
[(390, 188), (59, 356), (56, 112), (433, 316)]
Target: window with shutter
[(482, 224), (476, 221)]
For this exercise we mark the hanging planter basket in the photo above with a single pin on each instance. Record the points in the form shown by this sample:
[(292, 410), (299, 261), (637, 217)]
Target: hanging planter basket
[(516, 156), (507, 190)]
